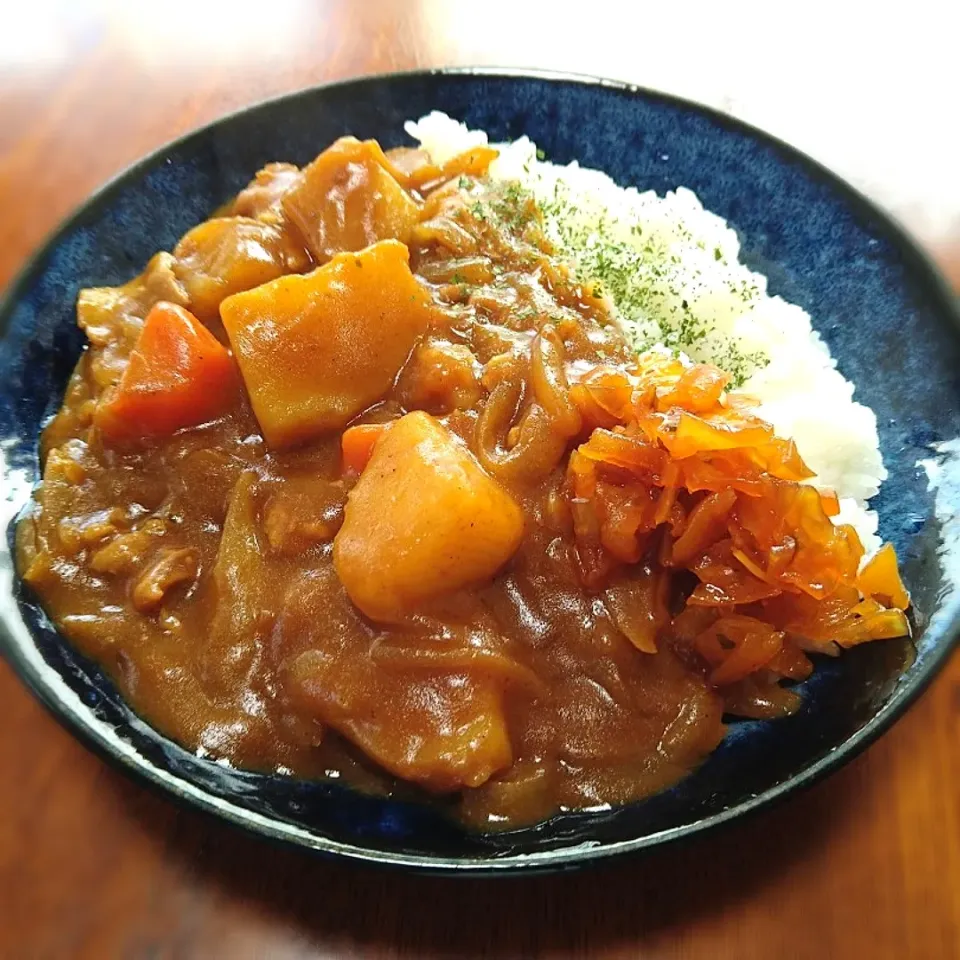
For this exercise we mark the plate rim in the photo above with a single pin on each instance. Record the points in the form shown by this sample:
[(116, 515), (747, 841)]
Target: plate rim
[(95, 734)]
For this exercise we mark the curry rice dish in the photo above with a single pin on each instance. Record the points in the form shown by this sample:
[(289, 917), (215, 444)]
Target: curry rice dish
[(400, 469)]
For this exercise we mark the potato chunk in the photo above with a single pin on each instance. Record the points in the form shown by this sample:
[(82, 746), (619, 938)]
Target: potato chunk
[(228, 254), (347, 199), (315, 350), (423, 520)]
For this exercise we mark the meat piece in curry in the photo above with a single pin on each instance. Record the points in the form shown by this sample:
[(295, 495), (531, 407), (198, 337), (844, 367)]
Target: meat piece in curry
[(361, 481)]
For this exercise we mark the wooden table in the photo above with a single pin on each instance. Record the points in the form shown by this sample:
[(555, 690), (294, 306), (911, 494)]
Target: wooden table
[(864, 865)]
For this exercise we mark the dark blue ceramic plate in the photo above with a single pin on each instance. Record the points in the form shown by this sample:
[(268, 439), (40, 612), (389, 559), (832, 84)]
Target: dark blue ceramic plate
[(885, 313)]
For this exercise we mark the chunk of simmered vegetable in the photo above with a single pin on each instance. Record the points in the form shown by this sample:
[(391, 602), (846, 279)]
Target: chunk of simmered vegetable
[(178, 375), (444, 732), (423, 520), (357, 445), (229, 254), (433, 723), (112, 317), (348, 198), (240, 580), (315, 350)]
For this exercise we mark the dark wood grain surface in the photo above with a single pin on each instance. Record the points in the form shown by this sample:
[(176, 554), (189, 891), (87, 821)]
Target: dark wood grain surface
[(866, 864)]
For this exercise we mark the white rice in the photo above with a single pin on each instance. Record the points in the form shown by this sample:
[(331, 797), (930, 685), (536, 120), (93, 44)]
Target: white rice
[(676, 279)]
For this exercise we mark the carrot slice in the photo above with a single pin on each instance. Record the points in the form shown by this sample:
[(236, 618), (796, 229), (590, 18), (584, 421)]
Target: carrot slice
[(178, 375), (357, 444)]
